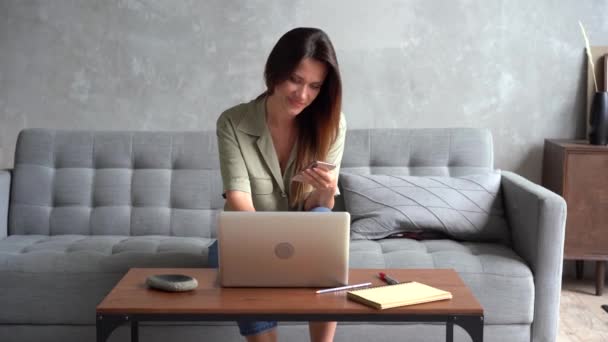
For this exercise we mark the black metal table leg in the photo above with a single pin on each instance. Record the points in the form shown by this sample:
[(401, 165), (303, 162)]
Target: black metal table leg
[(105, 325), (449, 330), (134, 331), (473, 325)]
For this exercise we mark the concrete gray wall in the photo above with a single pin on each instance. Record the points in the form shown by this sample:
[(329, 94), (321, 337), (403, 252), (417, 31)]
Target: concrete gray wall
[(513, 66)]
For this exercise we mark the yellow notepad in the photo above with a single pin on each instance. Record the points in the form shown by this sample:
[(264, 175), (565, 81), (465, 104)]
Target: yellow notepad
[(390, 296)]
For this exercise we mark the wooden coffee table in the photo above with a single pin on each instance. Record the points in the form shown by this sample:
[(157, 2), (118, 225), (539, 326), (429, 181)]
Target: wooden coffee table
[(131, 302)]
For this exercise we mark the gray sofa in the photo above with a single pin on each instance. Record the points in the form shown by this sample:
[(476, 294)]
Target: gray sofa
[(81, 207)]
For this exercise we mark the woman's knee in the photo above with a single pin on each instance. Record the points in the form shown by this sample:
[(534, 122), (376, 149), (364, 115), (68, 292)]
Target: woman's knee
[(212, 255)]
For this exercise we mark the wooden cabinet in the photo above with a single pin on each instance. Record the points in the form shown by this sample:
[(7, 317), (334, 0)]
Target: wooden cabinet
[(579, 172)]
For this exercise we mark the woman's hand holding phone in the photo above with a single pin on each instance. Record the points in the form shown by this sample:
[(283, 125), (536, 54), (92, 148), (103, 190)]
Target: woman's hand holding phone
[(312, 166), (320, 176)]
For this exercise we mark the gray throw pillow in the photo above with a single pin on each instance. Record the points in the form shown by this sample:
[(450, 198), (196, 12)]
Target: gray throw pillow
[(465, 208)]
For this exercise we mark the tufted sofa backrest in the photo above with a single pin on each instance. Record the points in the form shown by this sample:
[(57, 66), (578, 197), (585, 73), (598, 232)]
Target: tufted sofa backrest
[(418, 152), (115, 183), (168, 183)]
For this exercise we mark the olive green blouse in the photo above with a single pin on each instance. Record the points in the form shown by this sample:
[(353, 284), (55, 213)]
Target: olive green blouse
[(248, 160)]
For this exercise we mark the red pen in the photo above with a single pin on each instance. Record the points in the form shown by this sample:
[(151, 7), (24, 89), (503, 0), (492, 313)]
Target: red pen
[(387, 278)]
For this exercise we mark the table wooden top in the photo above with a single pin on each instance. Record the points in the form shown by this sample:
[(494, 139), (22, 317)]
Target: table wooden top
[(131, 295)]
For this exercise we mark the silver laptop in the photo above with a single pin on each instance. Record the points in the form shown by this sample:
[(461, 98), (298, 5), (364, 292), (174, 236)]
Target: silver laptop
[(283, 249)]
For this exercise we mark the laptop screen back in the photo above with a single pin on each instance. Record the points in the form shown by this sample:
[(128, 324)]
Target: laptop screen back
[(283, 249)]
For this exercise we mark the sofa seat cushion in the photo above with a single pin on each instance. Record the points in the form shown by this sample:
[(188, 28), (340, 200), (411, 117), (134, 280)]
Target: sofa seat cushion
[(83, 253), (499, 279), (60, 279)]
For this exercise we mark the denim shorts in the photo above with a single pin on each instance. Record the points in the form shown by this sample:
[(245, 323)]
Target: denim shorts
[(247, 328)]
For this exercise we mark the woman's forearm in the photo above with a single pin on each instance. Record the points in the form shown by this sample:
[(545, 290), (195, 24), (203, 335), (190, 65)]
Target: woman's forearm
[(239, 201), (319, 199)]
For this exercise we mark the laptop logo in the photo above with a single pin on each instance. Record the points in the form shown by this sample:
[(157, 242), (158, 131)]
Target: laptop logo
[(284, 250)]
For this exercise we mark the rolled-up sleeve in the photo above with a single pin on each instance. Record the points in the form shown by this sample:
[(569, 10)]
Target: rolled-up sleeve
[(336, 150), (232, 164)]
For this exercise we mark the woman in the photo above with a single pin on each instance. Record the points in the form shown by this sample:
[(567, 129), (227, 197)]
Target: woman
[(265, 142)]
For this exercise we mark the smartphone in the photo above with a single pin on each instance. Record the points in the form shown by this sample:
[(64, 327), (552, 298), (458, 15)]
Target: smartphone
[(323, 165), (317, 163)]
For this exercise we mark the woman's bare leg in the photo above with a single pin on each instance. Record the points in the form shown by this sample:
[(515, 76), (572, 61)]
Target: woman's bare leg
[(322, 331)]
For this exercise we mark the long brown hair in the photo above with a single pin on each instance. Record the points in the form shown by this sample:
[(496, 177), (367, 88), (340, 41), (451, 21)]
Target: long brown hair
[(318, 124)]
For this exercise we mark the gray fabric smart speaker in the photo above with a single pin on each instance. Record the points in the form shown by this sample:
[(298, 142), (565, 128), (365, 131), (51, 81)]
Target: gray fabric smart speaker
[(172, 282)]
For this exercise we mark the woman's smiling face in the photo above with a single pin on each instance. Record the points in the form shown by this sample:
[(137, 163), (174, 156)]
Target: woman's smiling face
[(301, 88)]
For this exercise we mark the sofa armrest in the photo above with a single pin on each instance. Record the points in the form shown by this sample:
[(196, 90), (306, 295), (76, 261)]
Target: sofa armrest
[(5, 187), (537, 218)]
